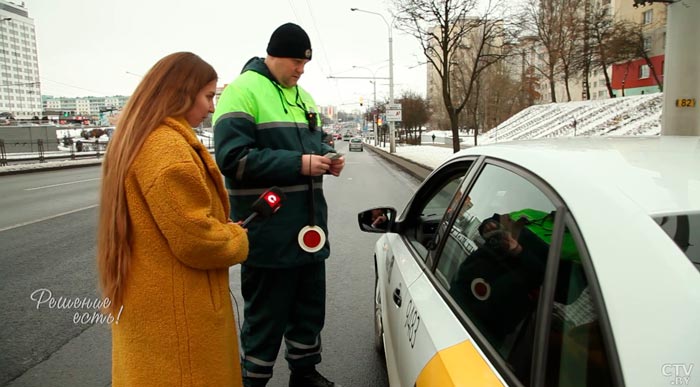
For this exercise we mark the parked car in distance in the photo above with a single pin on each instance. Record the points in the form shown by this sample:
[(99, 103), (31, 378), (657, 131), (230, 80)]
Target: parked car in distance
[(559, 262), (355, 144)]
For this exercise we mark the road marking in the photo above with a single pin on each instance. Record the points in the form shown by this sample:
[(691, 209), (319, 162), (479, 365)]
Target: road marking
[(48, 217), (60, 184)]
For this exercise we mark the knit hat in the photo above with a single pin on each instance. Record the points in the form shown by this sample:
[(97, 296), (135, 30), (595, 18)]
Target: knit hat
[(289, 41)]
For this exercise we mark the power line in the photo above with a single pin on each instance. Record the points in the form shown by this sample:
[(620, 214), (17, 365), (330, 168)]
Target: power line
[(323, 48), (75, 87), (296, 16), (320, 40)]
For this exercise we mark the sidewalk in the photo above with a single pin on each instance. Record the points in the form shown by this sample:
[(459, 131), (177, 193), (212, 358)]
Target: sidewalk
[(413, 168)]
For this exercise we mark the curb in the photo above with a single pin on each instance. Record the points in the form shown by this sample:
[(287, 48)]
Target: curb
[(417, 170), (50, 168)]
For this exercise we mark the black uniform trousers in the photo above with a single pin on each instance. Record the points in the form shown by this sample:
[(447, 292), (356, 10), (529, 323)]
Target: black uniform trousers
[(286, 302)]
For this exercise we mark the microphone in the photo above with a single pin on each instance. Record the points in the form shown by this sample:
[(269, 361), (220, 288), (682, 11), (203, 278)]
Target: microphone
[(267, 204)]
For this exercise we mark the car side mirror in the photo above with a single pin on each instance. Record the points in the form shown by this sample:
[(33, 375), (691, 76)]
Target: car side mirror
[(377, 220)]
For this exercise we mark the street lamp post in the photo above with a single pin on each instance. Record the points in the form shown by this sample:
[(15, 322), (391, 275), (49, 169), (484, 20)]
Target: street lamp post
[(392, 142), (374, 107)]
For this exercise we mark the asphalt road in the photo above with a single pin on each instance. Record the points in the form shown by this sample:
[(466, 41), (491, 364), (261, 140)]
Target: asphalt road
[(47, 239)]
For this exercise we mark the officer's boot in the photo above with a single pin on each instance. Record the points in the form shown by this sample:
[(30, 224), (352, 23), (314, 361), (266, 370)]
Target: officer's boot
[(309, 377)]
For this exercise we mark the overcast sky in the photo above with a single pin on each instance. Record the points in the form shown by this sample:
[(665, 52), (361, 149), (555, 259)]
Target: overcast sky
[(89, 47)]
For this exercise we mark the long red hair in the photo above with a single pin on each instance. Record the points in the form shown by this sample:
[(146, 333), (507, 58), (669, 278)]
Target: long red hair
[(167, 90)]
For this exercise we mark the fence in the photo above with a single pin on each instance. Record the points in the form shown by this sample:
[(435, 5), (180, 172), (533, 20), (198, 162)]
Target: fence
[(41, 150)]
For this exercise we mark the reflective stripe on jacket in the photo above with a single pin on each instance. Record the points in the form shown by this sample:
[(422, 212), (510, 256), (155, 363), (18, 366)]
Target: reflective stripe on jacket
[(260, 132)]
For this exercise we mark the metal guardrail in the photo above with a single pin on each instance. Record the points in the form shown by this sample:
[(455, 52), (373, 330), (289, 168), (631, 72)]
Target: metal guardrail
[(40, 150)]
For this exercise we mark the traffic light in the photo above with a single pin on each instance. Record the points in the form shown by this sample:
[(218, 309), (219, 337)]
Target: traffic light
[(361, 101), (65, 114)]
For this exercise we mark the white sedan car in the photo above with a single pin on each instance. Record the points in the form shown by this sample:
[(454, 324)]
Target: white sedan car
[(564, 262), (355, 144)]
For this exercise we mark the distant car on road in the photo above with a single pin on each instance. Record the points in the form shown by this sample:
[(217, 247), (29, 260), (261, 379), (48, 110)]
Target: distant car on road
[(328, 139), (561, 262), (347, 137), (355, 144)]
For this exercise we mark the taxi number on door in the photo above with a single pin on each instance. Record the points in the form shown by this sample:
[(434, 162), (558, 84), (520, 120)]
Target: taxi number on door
[(412, 322)]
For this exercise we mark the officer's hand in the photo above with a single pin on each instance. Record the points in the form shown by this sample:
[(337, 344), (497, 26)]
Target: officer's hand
[(337, 166), (314, 165)]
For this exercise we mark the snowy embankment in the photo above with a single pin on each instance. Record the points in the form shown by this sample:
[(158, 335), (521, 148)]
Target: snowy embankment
[(635, 115)]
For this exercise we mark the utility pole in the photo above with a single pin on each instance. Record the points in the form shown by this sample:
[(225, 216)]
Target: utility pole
[(681, 113), (392, 141)]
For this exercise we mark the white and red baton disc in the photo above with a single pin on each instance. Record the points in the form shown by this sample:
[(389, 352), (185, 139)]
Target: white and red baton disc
[(311, 238)]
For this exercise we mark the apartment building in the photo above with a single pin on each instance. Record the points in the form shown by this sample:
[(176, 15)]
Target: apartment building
[(642, 75), (20, 93), (84, 106)]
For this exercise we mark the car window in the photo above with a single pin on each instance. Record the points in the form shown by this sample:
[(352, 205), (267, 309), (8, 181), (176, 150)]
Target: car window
[(493, 261), (430, 207), (576, 355), (684, 229)]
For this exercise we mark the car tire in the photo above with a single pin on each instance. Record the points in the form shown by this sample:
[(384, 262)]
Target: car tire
[(378, 323)]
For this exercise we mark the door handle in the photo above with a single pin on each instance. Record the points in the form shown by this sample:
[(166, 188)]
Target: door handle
[(397, 297)]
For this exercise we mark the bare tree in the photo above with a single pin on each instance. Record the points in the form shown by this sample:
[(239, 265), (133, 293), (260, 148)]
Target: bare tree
[(500, 98), (544, 19), (572, 35), (458, 45), (415, 115), (639, 49), (611, 41)]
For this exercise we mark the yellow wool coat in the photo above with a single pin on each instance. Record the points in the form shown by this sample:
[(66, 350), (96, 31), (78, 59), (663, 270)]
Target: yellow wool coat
[(177, 325)]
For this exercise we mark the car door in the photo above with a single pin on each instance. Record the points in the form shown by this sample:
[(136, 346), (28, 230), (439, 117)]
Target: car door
[(507, 266), (405, 261), (490, 269)]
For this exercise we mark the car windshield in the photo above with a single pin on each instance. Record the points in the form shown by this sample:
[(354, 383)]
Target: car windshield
[(356, 140), (684, 229)]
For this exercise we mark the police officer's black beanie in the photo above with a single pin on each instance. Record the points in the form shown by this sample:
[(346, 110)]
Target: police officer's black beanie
[(289, 41)]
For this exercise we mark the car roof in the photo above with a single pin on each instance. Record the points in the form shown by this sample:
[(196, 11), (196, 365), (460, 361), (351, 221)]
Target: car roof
[(661, 174)]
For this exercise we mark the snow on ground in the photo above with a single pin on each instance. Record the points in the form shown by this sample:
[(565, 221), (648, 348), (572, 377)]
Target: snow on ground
[(634, 115), (429, 155), (48, 165)]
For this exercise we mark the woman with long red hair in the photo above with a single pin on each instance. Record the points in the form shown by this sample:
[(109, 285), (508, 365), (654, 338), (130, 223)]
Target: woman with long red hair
[(165, 242)]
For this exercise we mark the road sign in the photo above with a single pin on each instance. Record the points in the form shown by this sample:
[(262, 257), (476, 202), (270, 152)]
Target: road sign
[(393, 112), (393, 115)]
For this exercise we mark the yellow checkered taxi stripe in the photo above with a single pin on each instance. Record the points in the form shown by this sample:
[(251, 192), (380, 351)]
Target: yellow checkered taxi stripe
[(458, 365)]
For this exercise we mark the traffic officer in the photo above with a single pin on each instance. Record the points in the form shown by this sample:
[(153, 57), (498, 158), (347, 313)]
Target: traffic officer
[(267, 133)]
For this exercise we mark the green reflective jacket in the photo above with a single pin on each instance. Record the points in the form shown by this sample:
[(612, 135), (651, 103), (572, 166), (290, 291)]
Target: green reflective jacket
[(260, 133), (542, 224)]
